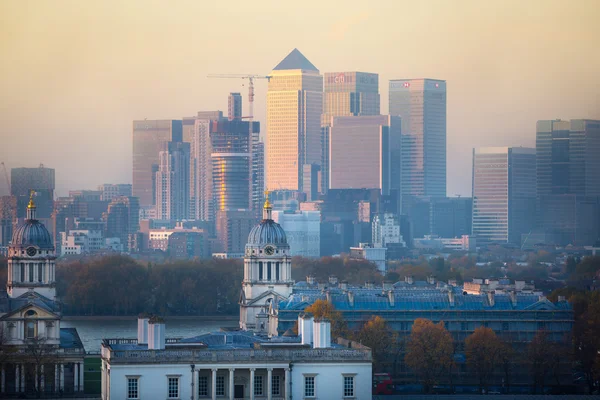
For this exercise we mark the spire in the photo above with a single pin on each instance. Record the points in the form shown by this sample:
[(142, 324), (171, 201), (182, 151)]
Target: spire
[(31, 206), (295, 60), (267, 207)]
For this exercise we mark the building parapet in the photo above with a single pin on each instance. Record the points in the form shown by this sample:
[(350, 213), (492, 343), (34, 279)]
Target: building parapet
[(178, 355)]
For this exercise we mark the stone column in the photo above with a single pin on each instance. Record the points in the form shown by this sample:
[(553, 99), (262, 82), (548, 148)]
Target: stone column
[(75, 377), (213, 388), (56, 378), (288, 387), (231, 385), (43, 379), (3, 380), (195, 372), (22, 377), (17, 377), (252, 383), (81, 376), (61, 367), (269, 383)]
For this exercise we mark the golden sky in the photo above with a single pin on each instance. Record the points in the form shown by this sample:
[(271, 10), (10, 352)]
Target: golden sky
[(74, 74)]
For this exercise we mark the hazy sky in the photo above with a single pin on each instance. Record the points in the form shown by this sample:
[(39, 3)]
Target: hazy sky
[(74, 74)]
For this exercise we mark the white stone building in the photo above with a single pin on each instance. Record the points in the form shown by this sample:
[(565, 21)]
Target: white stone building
[(235, 365), (303, 231), (369, 252), (386, 230), (81, 241), (463, 243), (38, 356)]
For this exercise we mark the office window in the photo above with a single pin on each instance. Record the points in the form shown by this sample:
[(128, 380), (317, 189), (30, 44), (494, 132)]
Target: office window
[(276, 385), (132, 388), (258, 385), (203, 386), (173, 388), (348, 386), (309, 386), (220, 389)]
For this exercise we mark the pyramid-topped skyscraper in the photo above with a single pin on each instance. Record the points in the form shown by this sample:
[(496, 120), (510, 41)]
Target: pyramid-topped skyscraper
[(294, 107)]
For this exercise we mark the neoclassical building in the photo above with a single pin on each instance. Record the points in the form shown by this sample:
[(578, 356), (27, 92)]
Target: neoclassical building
[(37, 355), (267, 272)]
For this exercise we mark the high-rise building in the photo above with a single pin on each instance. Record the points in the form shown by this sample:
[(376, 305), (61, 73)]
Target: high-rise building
[(109, 190), (234, 106), (360, 152), (451, 216), (303, 231), (350, 94), (568, 180), (172, 182), (258, 173), (294, 107), (8, 217), (231, 144), (149, 138), (503, 193), (42, 181), (232, 229), (122, 217), (421, 104)]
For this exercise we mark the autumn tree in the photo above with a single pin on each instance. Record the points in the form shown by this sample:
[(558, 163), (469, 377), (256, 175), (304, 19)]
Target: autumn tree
[(377, 335), (325, 309), (538, 356), (429, 352), (507, 360), (483, 350)]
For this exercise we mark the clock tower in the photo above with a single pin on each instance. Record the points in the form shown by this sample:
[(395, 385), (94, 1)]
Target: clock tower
[(267, 272)]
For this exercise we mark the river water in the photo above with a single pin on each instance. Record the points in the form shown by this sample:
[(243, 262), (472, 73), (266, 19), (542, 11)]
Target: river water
[(92, 331)]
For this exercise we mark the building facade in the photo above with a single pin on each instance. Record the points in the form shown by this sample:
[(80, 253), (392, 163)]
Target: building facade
[(386, 230), (109, 191), (149, 138), (42, 181), (371, 253), (503, 194), (8, 217), (303, 231), (421, 104), (568, 180), (235, 365), (172, 182), (294, 107), (361, 152), (350, 94), (232, 228), (234, 106), (38, 355)]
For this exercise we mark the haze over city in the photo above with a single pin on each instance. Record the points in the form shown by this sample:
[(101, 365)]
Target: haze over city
[(75, 74)]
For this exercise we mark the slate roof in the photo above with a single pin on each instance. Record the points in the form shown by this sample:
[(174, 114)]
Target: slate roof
[(69, 339), (8, 305), (295, 60)]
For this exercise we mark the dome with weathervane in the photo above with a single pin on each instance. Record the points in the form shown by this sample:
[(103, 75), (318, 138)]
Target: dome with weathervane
[(32, 233), (267, 231)]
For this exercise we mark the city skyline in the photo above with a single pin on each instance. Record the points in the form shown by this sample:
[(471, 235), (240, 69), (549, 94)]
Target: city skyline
[(63, 71)]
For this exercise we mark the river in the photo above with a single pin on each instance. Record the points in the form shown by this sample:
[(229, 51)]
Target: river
[(93, 330)]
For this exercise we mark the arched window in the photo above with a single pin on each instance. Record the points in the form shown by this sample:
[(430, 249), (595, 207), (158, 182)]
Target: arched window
[(22, 272), (30, 325), (30, 272), (260, 270), (269, 270), (40, 272), (277, 271)]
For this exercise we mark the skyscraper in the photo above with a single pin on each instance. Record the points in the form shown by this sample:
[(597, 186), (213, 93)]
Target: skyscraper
[(149, 138), (360, 152), (231, 144), (421, 103), (350, 94), (568, 180), (42, 181), (172, 182), (110, 191), (234, 106), (294, 107), (503, 193)]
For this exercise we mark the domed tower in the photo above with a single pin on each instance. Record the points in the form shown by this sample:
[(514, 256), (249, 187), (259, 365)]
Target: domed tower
[(31, 258), (267, 272)]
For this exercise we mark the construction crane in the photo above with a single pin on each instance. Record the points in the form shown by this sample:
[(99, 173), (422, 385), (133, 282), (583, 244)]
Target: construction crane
[(6, 174), (251, 79)]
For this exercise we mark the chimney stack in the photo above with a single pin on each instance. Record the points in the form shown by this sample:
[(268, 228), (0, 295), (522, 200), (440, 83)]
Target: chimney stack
[(491, 299), (305, 328), (322, 334), (156, 334), (344, 285), (333, 280), (409, 279), (142, 335)]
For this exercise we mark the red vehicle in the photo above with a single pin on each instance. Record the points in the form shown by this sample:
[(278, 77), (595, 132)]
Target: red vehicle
[(382, 383)]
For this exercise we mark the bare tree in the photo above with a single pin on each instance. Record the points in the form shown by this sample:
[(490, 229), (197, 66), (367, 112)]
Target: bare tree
[(39, 353)]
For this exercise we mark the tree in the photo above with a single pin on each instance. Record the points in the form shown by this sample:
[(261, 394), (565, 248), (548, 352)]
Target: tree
[(507, 361), (483, 350), (429, 351), (38, 353), (537, 353), (324, 309), (376, 334)]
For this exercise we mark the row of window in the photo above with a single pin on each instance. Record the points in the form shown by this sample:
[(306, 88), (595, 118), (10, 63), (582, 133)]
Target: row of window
[(310, 388)]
